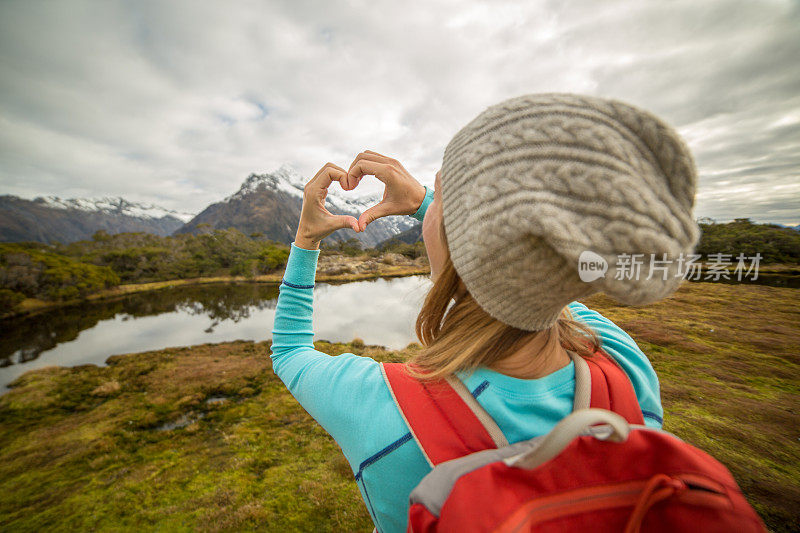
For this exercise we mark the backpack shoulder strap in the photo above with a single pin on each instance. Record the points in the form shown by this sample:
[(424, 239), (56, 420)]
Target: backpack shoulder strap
[(610, 388), (444, 419)]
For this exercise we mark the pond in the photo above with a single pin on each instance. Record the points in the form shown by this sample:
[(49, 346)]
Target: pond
[(380, 311)]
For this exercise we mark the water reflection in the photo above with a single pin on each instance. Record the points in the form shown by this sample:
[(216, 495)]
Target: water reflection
[(378, 311)]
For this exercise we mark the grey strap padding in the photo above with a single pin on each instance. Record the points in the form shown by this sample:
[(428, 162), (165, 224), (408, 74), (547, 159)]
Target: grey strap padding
[(583, 383), (614, 428), (435, 487), (485, 418)]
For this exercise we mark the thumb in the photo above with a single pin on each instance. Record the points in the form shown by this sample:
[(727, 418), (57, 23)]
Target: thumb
[(372, 214), (345, 221)]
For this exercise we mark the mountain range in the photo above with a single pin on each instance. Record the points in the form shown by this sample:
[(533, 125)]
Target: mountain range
[(268, 204), (52, 219)]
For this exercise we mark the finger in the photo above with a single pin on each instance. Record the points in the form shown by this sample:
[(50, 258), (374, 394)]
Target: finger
[(349, 183), (372, 156), (345, 221), (372, 214), (380, 158), (368, 155), (385, 158), (327, 175), (365, 167)]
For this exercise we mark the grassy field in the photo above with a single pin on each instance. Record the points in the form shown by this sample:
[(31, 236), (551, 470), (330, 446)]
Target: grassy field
[(97, 448)]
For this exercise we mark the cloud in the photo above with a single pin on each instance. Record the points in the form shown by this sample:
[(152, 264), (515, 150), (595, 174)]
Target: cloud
[(174, 103)]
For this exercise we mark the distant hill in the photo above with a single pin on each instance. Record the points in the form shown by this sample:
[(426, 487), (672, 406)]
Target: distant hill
[(409, 236), (270, 204), (52, 219), (775, 243)]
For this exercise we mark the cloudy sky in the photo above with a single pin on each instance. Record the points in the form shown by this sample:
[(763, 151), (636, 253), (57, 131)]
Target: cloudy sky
[(174, 103)]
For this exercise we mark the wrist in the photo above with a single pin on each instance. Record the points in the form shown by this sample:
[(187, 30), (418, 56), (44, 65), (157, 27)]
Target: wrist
[(426, 201), (302, 240), (418, 196)]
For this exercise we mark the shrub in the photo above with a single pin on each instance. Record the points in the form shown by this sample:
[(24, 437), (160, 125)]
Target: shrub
[(351, 247), (9, 300), (272, 258), (141, 257), (776, 244), (412, 251), (40, 273)]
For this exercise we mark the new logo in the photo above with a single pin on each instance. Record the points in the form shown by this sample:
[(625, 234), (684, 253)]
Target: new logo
[(591, 266)]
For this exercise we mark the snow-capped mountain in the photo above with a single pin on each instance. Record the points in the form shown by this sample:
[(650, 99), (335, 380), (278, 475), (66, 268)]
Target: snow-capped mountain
[(116, 206), (270, 204), (53, 219), (288, 180)]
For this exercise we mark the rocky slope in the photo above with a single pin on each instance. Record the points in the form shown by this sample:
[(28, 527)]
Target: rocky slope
[(53, 219), (409, 236)]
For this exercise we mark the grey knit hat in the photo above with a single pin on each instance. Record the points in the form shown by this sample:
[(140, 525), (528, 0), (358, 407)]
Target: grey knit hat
[(534, 182)]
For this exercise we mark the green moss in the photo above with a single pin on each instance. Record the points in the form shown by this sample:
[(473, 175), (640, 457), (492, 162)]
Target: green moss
[(73, 459)]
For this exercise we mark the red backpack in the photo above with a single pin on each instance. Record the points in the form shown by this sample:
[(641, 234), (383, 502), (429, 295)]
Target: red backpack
[(615, 476)]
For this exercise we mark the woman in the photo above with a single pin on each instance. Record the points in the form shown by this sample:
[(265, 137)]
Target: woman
[(524, 190)]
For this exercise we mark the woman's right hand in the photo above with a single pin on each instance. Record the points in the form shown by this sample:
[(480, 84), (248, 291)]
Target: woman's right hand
[(402, 196)]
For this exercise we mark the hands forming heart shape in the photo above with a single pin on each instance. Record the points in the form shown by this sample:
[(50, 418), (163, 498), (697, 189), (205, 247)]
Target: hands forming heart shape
[(402, 196)]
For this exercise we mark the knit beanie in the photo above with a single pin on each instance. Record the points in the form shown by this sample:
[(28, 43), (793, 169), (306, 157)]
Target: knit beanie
[(540, 188)]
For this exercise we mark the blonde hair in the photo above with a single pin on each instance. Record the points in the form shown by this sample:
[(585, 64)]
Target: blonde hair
[(464, 337)]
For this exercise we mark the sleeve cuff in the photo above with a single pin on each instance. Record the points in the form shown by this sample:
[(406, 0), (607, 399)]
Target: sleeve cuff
[(301, 267), (420, 214)]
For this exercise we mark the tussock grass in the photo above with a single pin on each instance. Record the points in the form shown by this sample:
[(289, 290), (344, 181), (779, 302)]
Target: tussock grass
[(86, 447)]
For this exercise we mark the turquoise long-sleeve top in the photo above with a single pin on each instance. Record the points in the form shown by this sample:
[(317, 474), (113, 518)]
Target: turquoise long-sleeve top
[(347, 395)]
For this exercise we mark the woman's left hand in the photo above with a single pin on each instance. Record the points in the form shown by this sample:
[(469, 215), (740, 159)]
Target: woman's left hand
[(316, 222)]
